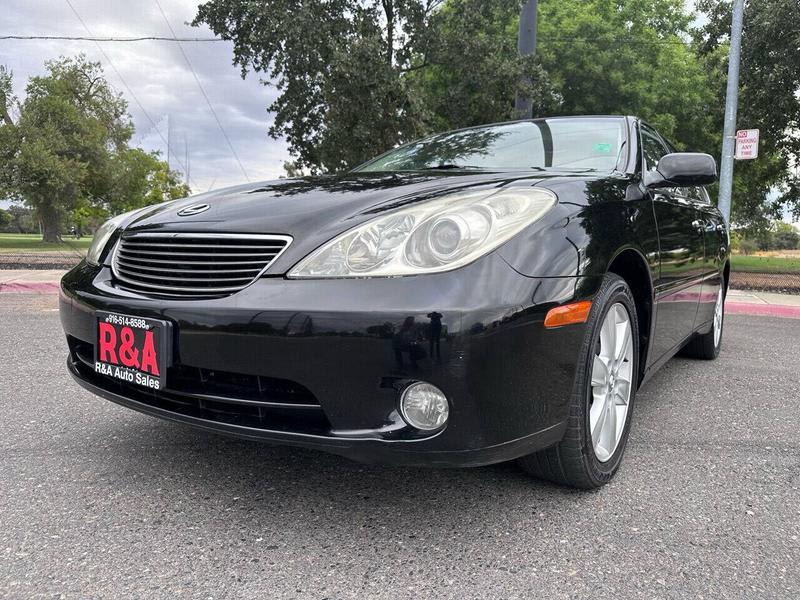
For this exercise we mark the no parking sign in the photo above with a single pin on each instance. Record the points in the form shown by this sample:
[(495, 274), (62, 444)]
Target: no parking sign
[(746, 144)]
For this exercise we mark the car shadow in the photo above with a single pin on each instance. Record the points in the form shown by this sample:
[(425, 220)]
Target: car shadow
[(272, 483), (275, 483)]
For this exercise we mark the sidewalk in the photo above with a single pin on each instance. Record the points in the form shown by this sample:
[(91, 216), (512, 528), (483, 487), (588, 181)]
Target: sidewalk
[(33, 281), (744, 302), (762, 303)]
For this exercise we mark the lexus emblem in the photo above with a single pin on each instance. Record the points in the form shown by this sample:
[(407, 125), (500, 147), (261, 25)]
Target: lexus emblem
[(194, 209)]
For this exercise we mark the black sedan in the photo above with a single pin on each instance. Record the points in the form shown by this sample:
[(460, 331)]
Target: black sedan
[(482, 295)]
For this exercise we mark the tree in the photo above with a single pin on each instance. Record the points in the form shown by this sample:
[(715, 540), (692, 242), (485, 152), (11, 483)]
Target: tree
[(140, 178), (768, 100), (472, 69), (71, 125), (628, 57), (356, 77), (5, 218), (6, 95), (22, 219), (786, 236)]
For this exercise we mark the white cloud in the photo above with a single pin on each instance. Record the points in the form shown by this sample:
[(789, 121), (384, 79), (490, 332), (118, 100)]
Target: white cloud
[(158, 75)]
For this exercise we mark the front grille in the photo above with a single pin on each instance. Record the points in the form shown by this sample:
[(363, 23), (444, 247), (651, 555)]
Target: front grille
[(193, 265)]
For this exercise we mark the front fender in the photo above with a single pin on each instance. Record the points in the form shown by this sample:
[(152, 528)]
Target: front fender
[(594, 220)]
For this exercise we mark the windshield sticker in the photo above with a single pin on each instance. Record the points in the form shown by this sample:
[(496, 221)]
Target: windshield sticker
[(601, 148)]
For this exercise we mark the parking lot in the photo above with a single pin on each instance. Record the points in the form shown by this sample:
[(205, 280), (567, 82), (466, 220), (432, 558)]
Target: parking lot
[(101, 502)]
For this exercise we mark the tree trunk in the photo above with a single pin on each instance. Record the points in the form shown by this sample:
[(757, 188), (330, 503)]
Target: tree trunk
[(4, 110), (388, 9), (48, 218)]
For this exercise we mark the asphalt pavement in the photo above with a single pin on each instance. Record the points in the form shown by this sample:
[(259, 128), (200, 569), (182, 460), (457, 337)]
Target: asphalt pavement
[(97, 501)]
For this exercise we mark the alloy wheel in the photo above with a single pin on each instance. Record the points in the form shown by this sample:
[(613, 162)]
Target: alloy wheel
[(612, 376), (718, 310)]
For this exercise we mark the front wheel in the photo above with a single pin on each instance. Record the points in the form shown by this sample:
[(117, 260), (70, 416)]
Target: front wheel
[(602, 400)]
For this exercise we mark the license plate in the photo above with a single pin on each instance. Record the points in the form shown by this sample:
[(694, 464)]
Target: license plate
[(132, 349)]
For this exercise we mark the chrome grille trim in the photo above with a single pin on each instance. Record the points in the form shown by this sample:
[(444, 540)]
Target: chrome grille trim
[(163, 264)]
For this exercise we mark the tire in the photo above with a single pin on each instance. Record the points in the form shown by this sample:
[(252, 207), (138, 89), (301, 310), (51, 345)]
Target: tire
[(707, 346), (575, 461)]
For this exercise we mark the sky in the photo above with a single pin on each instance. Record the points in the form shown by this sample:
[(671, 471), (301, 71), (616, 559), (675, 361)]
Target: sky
[(161, 80)]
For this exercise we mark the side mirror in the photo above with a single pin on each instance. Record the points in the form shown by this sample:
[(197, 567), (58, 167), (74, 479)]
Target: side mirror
[(684, 169)]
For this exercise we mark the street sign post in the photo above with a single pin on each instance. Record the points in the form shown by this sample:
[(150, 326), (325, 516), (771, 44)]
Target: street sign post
[(746, 144), (731, 104)]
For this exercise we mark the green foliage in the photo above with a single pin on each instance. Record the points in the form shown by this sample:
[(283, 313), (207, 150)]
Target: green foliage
[(5, 218), (68, 157), (70, 125), (628, 57), (472, 71), (777, 235), (357, 77), (140, 178), (338, 66), (768, 100), (22, 220), (787, 240), (781, 236), (6, 95), (747, 246)]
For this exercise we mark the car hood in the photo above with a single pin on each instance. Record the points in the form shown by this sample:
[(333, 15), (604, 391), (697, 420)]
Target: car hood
[(315, 209)]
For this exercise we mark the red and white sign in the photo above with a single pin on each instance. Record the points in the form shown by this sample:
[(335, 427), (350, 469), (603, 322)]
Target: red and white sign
[(746, 144)]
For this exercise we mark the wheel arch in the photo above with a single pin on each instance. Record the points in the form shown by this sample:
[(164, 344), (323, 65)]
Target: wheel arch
[(631, 265)]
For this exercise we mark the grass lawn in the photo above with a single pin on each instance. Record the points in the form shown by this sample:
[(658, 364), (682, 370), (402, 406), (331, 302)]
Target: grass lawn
[(32, 242), (765, 264)]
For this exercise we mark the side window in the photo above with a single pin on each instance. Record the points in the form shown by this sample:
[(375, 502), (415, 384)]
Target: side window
[(652, 148)]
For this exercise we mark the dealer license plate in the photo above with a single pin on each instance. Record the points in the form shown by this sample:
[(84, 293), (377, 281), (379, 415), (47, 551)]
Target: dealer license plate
[(132, 349)]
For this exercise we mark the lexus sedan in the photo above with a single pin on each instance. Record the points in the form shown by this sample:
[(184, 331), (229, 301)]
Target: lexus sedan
[(482, 295)]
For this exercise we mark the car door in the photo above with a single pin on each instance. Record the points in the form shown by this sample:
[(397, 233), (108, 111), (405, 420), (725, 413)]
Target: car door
[(681, 254)]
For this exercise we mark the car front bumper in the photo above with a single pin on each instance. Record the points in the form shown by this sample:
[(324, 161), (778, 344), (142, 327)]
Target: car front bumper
[(345, 349)]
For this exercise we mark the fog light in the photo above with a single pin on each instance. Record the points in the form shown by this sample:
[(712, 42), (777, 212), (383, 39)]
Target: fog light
[(424, 406)]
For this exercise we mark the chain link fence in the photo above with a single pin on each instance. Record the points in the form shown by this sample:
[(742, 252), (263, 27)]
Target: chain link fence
[(787, 282), (56, 259)]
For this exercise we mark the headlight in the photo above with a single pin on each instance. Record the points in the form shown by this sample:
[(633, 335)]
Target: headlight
[(107, 229), (101, 237), (430, 237)]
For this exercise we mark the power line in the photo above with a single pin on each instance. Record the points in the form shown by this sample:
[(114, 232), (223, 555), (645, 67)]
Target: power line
[(124, 83), (184, 40), (202, 91), (77, 38)]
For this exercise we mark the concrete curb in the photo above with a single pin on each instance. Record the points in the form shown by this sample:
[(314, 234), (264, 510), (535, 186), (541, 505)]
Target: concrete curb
[(763, 310), (30, 287)]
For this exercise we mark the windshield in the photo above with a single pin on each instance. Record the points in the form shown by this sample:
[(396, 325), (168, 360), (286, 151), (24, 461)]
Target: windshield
[(581, 143)]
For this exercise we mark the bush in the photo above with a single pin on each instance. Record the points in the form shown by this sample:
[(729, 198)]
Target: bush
[(747, 246), (787, 240), (736, 240)]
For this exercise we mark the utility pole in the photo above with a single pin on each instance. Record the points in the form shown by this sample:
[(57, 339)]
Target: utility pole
[(169, 141), (526, 44), (186, 158), (731, 106)]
